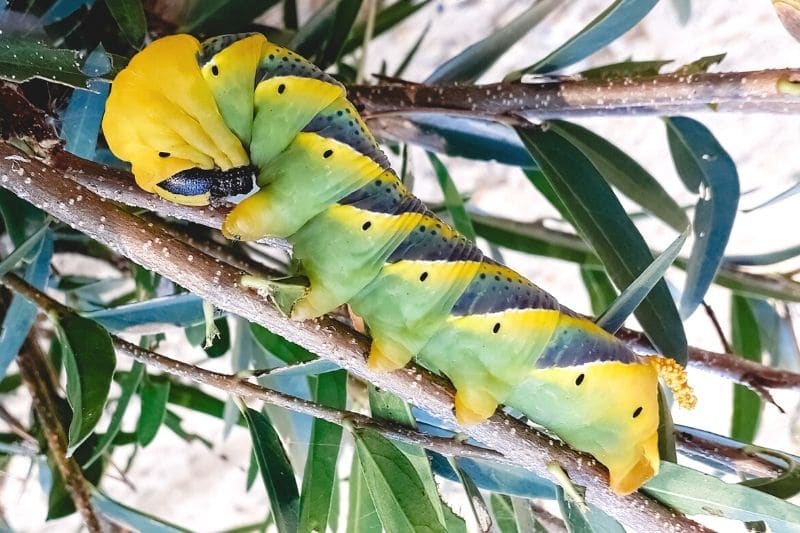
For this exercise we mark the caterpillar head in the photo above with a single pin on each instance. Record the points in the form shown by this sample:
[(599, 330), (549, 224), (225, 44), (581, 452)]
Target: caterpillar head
[(162, 117)]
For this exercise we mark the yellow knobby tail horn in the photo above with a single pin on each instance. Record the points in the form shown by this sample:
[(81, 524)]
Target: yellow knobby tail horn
[(674, 375)]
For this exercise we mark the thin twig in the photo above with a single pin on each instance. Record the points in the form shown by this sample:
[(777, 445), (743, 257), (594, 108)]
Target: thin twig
[(717, 327), (153, 248), (33, 369)]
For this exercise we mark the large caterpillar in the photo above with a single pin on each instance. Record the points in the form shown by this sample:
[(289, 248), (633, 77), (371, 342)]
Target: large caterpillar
[(199, 121)]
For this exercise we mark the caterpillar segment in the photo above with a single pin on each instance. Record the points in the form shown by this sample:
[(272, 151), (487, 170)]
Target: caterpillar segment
[(200, 121)]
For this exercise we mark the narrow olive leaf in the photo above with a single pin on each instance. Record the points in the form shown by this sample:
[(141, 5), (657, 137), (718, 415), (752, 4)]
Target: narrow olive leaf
[(130, 518), (708, 169), (776, 332), (276, 471), (765, 259), (400, 498), (503, 512), (319, 478), (621, 171), (21, 218), (469, 64), (311, 368), (625, 69), (694, 493), (601, 291), (128, 384), (23, 250), (361, 514), (746, 342), (386, 406), (617, 19), (224, 16), (476, 502), (24, 58), (612, 318), (284, 350), (154, 395), (386, 19), (290, 19), (454, 522), (343, 19), (523, 512), (89, 360), (21, 313), (311, 35), (129, 15), (412, 52), (602, 221), (590, 520), (452, 199), (781, 196)]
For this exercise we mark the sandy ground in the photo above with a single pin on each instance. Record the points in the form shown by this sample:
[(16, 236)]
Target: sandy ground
[(204, 490)]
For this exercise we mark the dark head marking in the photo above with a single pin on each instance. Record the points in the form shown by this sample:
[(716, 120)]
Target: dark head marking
[(637, 412)]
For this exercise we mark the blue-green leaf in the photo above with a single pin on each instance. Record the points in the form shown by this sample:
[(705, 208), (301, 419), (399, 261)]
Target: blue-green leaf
[(602, 221), (89, 360), (180, 310), (621, 171), (319, 478), (589, 520), (132, 519), (223, 16), (80, 121), (129, 15), (452, 199), (746, 342), (694, 493), (469, 64), (769, 258), (276, 471), (617, 19), (21, 313), (700, 160), (630, 298), (683, 9), (24, 250), (601, 291)]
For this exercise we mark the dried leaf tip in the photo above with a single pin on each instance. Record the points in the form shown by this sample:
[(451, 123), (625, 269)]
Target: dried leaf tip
[(674, 375)]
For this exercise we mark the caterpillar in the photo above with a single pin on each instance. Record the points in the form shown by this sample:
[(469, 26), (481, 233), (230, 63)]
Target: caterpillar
[(202, 121)]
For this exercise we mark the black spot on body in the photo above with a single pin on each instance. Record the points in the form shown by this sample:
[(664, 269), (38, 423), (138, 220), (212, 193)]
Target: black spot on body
[(327, 154), (214, 70), (637, 412), (496, 328), (423, 276), (366, 225), (281, 88), (163, 154), (580, 379)]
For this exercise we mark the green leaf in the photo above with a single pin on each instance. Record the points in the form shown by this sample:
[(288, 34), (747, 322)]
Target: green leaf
[(343, 19), (23, 58), (625, 69), (602, 221), (319, 478), (399, 496), (785, 485), (129, 15), (23, 250), (630, 298), (700, 160), (766, 259), (361, 514), (130, 518), (469, 64), (128, 384), (311, 35), (221, 343), (284, 350), (89, 360), (386, 19), (276, 471), (154, 395), (20, 217), (503, 512), (290, 14), (601, 292), (452, 199), (621, 171), (412, 52), (590, 520), (746, 342), (476, 502), (223, 16), (694, 493), (617, 19)]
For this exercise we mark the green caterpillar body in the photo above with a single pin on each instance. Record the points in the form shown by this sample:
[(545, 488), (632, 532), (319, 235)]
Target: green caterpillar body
[(198, 121)]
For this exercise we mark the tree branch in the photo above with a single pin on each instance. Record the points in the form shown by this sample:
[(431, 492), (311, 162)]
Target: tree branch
[(117, 185), (36, 374), (151, 246), (764, 91)]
